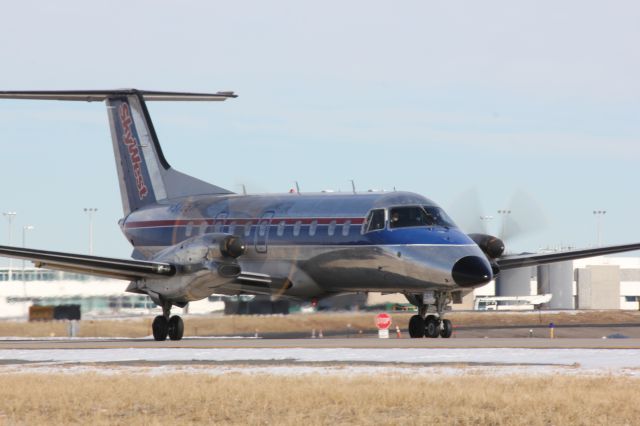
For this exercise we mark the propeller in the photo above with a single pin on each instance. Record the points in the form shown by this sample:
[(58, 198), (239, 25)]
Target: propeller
[(466, 210), (525, 217), (521, 216)]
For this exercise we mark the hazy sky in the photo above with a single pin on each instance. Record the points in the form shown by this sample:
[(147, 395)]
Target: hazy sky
[(447, 99)]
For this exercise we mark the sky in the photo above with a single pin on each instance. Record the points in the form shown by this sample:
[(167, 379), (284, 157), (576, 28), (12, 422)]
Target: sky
[(531, 107)]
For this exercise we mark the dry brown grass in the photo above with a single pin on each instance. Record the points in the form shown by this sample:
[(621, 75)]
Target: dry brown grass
[(313, 400), (242, 324)]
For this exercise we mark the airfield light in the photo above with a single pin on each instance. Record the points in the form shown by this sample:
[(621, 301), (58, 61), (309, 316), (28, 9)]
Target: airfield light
[(10, 216), (90, 211)]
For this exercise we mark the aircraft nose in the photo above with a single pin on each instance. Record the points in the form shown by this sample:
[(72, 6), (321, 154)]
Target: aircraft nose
[(471, 271)]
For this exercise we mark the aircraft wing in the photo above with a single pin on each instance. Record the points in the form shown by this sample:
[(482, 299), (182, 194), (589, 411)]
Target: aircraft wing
[(123, 269), (532, 259)]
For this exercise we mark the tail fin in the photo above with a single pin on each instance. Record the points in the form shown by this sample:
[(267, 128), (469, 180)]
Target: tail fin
[(145, 175)]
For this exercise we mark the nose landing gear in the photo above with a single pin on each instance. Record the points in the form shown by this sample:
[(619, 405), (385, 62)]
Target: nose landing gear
[(432, 326)]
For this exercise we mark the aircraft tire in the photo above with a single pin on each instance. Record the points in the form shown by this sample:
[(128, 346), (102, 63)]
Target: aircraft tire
[(447, 329), (416, 327), (175, 328), (159, 328), (431, 327)]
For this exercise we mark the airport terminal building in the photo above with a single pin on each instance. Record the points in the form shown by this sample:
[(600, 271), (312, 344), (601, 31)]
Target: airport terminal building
[(604, 282), (97, 297)]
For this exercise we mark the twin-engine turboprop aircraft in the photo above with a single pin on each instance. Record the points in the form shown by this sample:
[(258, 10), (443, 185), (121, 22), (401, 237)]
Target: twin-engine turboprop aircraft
[(192, 239)]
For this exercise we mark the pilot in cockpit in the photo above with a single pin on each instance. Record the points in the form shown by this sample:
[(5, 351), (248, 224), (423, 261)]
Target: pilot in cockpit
[(395, 217)]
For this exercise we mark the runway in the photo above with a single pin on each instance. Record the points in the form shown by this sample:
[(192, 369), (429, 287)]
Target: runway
[(353, 356), (347, 343)]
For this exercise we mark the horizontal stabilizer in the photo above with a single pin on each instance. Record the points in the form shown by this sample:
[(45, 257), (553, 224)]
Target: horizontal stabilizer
[(101, 95)]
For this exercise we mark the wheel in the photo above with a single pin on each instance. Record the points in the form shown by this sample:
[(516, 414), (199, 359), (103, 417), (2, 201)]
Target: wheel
[(159, 327), (416, 327), (431, 326), (175, 328), (447, 329)]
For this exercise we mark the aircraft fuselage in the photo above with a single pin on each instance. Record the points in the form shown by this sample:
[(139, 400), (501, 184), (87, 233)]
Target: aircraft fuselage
[(313, 245)]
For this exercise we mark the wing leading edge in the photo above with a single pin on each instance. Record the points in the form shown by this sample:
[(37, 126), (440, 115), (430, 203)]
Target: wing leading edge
[(529, 259), (92, 265)]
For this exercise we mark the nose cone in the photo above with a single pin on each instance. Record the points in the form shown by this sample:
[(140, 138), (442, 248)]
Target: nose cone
[(471, 271)]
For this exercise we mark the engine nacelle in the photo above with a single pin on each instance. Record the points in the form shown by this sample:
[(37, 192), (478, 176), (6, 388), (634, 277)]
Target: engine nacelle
[(202, 264), (216, 252), (492, 246)]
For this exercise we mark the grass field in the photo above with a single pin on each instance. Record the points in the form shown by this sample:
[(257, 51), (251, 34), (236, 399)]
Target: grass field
[(243, 324), (311, 400)]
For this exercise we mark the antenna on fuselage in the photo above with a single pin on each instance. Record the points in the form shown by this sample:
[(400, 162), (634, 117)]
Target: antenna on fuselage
[(244, 189), (353, 186), (297, 187)]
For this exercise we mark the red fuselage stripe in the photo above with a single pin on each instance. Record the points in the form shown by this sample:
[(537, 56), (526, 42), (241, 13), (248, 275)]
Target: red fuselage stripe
[(239, 222)]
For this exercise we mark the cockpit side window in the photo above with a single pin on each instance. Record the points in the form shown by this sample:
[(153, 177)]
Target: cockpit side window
[(374, 221), (404, 217), (438, 217), (408, 216)]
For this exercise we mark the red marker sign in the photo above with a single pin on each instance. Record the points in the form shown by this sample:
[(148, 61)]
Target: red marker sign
[(383, 321)]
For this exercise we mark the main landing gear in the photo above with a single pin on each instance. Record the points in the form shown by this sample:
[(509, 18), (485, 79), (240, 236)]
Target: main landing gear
[(423, 325), (166, 325)]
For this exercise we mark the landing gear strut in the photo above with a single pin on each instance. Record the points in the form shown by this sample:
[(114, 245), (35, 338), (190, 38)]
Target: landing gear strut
[(166, 325), (423, 325)]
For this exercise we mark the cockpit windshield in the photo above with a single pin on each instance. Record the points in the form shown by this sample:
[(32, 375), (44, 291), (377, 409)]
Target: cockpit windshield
[(407, 216)]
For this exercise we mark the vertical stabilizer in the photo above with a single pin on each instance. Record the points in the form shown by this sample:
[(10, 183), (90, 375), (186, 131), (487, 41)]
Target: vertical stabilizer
[(144, 175)]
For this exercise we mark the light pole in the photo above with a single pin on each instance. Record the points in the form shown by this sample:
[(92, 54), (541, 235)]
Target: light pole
[(24, 241), (504, 214), (483, 220), (599, 214), (10, 216), (24, 284), (90, 211)]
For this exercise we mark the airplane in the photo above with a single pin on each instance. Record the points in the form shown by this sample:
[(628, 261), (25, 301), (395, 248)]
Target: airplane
[(192, 239)]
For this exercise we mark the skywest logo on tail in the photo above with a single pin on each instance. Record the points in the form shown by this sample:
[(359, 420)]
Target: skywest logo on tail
[(132, 147)]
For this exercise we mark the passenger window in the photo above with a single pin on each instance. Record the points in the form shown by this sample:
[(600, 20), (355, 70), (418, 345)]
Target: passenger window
[(189, 229), (247, 229), (332, 228), (345, 228), (375, 221), (280, 229), (312, 228), (203, 227), (296, 228), (263, 228)]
